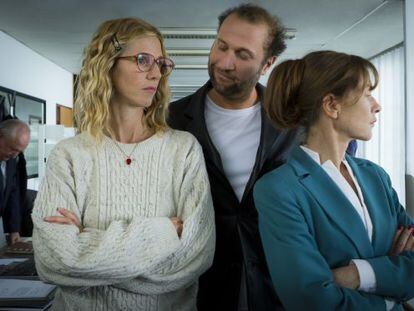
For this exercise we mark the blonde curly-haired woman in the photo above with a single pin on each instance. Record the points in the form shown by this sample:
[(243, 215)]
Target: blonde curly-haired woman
[(124, 217)]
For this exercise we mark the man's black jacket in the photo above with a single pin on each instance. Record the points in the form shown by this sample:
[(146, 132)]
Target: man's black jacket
[(238, 246), (10, 209)]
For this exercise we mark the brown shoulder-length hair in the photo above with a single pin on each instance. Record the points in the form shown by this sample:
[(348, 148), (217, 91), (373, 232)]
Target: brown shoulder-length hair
[(94, 85), (296, 88)]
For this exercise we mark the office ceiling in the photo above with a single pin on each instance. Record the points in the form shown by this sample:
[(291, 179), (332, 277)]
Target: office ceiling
[(60, 29)]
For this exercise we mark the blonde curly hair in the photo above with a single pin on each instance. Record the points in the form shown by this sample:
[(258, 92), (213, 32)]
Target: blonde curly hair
[(94, 85)]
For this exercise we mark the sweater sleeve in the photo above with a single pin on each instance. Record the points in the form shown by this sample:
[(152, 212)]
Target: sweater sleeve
[(94, 257), (196, 251)]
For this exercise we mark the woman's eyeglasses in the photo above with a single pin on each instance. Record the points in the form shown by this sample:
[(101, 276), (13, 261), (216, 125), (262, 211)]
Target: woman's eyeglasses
[(145, 62)]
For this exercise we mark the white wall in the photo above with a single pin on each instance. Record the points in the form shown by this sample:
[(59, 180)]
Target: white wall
[(25, 71)]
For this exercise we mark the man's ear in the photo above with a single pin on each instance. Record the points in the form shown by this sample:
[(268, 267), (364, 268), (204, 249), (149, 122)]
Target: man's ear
[(269, 62), (330, 106)]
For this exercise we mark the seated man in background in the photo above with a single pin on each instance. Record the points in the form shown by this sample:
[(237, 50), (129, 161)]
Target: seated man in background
[(14, 138)]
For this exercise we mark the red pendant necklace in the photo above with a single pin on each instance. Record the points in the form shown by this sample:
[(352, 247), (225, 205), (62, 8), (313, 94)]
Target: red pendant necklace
[(128, 159)]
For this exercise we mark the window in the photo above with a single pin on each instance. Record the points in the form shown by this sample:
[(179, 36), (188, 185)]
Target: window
[(387, 146), (31, 110)]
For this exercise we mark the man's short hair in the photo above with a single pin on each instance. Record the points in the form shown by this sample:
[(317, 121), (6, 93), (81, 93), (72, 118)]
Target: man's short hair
[(10, 128), (255, 14)]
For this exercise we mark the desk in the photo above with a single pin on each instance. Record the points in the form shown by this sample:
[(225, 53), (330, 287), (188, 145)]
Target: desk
[(21, 250), (25, 273)]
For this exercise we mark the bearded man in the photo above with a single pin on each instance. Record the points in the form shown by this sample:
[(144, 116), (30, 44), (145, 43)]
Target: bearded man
[(240, 145)]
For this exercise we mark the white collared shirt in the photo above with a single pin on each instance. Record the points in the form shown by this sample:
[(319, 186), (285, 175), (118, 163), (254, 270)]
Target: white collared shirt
[(366, 273), (368, 280), (356, 199)]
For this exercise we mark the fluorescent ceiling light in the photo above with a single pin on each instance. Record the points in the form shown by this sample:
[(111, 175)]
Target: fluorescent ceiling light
[(188, 33), (190, 67), (188, 52), (204, 33)]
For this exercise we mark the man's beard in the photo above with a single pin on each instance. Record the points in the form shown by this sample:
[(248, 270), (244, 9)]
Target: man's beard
[(236, 91)]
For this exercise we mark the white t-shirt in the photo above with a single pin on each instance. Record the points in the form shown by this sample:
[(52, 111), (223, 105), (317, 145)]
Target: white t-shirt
[(236, 135)]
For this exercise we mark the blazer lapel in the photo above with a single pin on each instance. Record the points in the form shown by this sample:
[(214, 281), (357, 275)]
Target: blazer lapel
[(335, 204), (197, 126), (368, 181)]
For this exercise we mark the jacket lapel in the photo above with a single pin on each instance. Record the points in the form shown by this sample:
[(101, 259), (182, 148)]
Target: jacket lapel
[(1, 192), (268, 137), (331, 199), (368, 181), (197, 126), (10, 172)]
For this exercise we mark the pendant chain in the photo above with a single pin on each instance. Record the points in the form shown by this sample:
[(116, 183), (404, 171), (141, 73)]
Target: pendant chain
[(128, 157)]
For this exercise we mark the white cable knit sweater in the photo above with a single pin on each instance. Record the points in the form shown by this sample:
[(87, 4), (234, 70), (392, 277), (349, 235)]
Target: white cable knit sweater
[(129, 256)]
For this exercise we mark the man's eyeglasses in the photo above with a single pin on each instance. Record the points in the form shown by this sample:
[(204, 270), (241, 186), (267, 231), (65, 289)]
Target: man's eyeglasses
[(145, 62)]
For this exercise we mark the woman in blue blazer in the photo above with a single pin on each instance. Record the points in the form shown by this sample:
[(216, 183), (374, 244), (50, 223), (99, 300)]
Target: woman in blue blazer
[(334, 233)]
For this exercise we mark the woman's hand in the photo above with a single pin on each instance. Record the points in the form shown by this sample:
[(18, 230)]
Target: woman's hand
[(178, 224), (403, 241), (347, 276), (67, 218)]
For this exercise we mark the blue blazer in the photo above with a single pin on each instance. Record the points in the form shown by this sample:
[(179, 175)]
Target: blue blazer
[(309, 227)]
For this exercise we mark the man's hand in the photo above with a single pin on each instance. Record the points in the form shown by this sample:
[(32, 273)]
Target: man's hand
[(347, 276), (403, 241), (178, 224), (67, 218), (14, 237)]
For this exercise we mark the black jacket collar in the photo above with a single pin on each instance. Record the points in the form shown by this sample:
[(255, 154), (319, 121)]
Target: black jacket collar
[(194, 112)]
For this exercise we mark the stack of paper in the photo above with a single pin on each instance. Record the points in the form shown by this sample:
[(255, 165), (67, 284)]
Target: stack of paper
[(20, 294)]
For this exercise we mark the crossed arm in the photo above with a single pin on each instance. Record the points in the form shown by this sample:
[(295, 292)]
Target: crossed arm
[(69, 218), (153, 250), (403, 241), (309, 282)]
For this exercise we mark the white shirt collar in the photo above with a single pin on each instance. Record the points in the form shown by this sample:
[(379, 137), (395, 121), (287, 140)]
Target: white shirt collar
[(313, 154), (356, 199)]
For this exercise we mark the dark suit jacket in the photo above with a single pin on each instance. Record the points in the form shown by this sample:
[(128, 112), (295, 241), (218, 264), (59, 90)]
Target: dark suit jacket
[(10, 199), (239, 254), (308, 227)]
